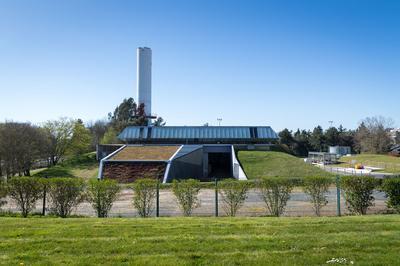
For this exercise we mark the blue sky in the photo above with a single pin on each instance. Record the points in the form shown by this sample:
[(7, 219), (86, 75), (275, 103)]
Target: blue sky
[(293, 64)]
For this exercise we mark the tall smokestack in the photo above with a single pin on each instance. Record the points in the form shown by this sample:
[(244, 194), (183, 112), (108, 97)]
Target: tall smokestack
[(144, 78)]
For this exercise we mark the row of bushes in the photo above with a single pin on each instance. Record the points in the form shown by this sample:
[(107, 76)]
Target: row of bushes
[(275, 192), (66, 193)]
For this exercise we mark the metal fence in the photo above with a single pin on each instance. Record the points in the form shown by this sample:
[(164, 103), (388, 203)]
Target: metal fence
[(298, 205)]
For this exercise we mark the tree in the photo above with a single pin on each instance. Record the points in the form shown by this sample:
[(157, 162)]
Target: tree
[(65, 194), (358, 192), (317, 139), (81, 139), (144, 194), (233, 194), (97, 129), (372, 135), (302, 145), (60, 133), (275, 192), (285, 137), (346, 137), (186, 192), (25, 191), (102, 194), (21, 144), (128, 113), (317, 188), (332, 136), (391, 187), (159, 122), (110, 137)]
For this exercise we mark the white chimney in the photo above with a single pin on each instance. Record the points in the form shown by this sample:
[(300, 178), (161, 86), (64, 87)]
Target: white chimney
[(144, 78)]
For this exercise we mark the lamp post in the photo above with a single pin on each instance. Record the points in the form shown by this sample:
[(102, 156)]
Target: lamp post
[(219, 121)]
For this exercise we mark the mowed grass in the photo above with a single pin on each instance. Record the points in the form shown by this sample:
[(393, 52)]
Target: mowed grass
[(85, 166), (259, 164), (365, 240), (389, 164)]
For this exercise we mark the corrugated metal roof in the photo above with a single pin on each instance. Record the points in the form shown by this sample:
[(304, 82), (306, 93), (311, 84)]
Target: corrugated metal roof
[(200, 132), (203, 132)]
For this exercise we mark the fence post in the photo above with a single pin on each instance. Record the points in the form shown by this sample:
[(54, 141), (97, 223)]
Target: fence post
[(44, 198), (216, 197), (158, 199), (338, 213)]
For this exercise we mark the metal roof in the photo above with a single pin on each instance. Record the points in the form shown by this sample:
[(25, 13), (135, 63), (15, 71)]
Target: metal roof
[(143, 133)]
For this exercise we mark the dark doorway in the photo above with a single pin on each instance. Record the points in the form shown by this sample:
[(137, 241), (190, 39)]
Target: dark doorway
[(219, 165)]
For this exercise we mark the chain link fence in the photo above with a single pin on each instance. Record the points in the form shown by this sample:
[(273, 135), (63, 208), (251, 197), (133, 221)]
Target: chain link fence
[(298, 205)]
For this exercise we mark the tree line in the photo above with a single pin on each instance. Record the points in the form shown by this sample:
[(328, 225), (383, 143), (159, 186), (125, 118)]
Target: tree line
[(25, 146), (371, 136)]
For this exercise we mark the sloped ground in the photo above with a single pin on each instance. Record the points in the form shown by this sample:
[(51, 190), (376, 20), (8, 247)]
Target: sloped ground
[(366, 240), (257, 164), (85, 166)]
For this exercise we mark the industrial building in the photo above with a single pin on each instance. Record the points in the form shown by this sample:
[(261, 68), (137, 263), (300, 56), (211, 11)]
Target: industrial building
[(177, 152), (168, 153)]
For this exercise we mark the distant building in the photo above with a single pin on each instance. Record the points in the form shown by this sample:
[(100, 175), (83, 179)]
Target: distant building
[(393, 133), (395, 150), (340, 150), (322, 157)]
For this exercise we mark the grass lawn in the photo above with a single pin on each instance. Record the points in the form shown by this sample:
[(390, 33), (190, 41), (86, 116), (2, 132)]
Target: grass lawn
[(389, 163), (258, 164), (84, 166), (365, 240)]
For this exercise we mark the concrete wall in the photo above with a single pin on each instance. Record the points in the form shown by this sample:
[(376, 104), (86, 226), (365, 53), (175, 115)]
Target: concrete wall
[(187, 166)]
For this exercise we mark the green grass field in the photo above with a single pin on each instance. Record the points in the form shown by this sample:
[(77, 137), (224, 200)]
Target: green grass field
[(258, 164), (365, 240), (84, 166), (389, 163)]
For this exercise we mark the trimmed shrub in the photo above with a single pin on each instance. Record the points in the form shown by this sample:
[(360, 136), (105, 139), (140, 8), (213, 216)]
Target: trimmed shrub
[(145, 191), (65, 194), (233, 195), (25, 191), (275, 192), (358, 192), (186, 192), (101, 194), (317, 188), (391, 186)]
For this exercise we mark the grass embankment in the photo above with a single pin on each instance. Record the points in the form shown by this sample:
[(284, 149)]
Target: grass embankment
[(368, 240), (85, 166), (258, 164), (389, 164)]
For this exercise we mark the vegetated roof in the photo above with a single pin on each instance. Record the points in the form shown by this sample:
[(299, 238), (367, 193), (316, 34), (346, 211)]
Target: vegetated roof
[(198, 132), (145, 153)]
